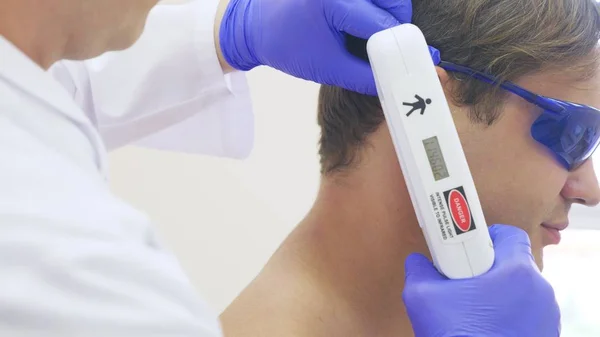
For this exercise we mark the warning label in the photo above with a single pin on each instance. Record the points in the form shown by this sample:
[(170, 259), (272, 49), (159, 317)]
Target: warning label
[(452, 212), (460, 211), (442, 215)]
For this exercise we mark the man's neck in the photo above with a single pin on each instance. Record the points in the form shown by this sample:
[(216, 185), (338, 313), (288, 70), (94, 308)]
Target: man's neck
[(355, 240), (340, 273), (34, 30)]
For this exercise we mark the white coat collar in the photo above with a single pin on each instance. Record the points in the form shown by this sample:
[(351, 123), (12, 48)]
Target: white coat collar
[(18, 69)]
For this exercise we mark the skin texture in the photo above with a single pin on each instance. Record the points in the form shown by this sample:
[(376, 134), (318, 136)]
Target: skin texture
[(341, 271), (51, 30)]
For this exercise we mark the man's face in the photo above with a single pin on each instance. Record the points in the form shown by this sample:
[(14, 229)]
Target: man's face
[(103, 25), (518, 180)]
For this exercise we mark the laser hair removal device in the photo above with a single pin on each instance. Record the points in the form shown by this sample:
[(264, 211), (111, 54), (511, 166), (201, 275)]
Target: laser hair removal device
[(429, 152)]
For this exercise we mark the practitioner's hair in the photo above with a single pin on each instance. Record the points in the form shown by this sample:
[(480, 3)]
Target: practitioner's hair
[(507, 38)]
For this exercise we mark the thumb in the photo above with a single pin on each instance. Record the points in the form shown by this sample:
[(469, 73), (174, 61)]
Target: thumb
[(355, 75), (362, 20), (510, 243), (400, 9), (418, 268)]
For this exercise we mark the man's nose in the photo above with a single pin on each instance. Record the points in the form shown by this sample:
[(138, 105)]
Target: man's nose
[(582, 186)]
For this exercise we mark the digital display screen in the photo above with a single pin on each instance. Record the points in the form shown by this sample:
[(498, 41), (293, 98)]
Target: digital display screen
[(436, 158)]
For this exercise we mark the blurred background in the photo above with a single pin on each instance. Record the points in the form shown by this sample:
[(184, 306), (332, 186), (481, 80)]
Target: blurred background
[(224, 218)]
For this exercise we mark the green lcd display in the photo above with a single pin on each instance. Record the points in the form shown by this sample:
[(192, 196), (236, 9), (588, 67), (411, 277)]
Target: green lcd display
[(436, 158)]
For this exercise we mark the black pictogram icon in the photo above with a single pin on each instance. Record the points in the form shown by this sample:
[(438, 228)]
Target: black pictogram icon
[(420, 104)]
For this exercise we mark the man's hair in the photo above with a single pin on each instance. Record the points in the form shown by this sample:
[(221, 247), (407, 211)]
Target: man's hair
[(507, 38)]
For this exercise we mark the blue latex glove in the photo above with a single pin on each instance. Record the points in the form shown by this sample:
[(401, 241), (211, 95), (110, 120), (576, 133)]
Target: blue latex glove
[(305, 38), (512, 299)]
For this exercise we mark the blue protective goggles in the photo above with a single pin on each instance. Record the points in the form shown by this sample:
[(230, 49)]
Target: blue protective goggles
[(571, 131)]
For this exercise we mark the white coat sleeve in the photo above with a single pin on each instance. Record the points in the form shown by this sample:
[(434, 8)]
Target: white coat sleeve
[(168, 90)]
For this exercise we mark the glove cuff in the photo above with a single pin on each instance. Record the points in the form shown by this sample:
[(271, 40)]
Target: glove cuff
[(234, 36)]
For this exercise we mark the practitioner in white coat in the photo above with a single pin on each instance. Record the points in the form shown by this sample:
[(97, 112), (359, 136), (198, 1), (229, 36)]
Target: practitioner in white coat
[(74, 259)]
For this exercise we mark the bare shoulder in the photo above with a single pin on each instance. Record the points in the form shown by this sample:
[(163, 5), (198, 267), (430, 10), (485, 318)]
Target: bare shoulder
[(287, 299)]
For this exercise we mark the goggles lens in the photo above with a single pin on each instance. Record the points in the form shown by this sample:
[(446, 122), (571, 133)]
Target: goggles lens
[(572, 136)]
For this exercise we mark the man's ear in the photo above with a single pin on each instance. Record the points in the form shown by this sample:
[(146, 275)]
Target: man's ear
[(449, 87), (447, 83), (443, 76)]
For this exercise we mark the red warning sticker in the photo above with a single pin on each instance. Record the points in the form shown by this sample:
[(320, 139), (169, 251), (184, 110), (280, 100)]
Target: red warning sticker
[(459, 210)]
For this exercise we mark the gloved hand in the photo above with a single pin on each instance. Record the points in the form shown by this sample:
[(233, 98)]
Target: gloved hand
[(512, 299), (305, 38)]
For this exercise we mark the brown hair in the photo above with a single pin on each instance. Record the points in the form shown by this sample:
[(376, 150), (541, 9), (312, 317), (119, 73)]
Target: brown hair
[(507, 38)]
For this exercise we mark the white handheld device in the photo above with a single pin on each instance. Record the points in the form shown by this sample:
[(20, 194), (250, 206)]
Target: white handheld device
[(429, 152)]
